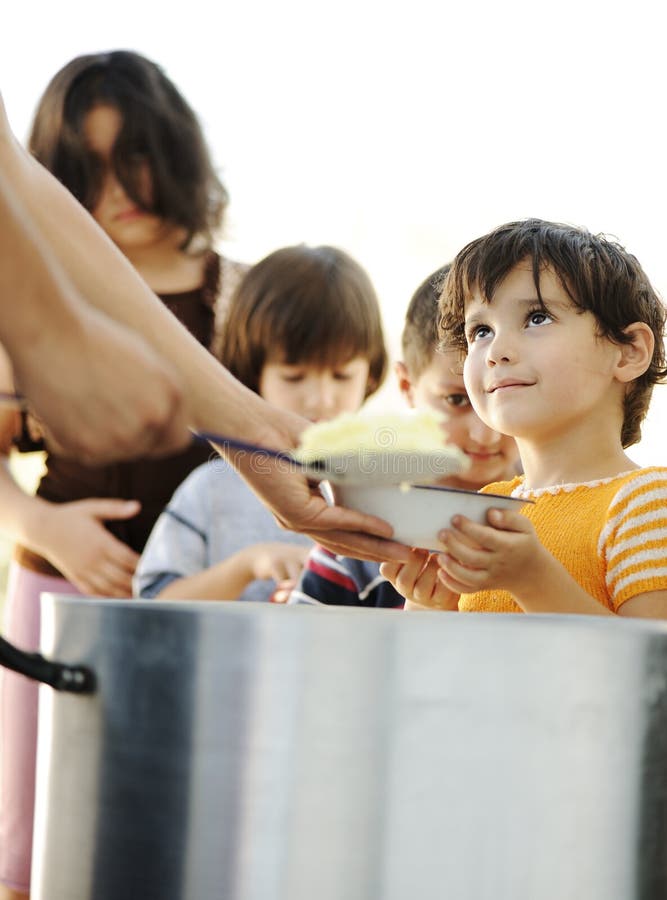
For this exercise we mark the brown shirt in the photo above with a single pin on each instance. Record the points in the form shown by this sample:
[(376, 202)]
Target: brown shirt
[(151, 481)]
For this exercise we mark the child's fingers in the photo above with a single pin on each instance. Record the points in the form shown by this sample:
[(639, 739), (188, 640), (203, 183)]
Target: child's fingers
[(488, 537), (282, 592), (458, 577), (465, 551), (508, 520), (405, 574), (452, 584), (426, 582), (390, 570), (430, 592), (293, 568)]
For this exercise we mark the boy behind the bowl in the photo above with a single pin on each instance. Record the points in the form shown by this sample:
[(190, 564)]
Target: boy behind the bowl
[(428, 379)]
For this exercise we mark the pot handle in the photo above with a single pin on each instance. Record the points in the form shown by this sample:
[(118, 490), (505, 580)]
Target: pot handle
[(75, 679)]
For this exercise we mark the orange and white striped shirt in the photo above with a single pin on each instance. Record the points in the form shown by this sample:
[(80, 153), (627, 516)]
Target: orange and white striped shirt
[(611, 535)]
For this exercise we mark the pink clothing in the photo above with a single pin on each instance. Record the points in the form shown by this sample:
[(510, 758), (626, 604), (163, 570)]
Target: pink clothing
[(18, 725)]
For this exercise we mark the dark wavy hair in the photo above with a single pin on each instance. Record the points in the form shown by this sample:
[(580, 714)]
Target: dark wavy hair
[(598, 275), (158, 127), (301, 305)]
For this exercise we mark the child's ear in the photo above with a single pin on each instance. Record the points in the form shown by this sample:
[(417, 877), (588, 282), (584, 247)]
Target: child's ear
[(635, 357), (405, 385)]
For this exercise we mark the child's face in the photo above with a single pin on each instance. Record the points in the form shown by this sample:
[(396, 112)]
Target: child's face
[(535, 371), (316, 393), (492, 456), (126, 224)]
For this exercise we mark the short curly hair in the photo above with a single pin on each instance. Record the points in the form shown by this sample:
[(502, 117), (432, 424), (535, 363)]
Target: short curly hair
[(597, 273)]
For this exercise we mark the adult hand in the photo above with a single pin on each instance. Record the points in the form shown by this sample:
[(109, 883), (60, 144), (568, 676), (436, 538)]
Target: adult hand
[(296, 503), (72, 536), (101, 392), (299, 506)]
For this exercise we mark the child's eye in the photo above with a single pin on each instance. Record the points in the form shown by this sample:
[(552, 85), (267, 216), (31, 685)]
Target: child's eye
[(539, 317), (476, 332), (342, 376), (292, 378), (457, 400)]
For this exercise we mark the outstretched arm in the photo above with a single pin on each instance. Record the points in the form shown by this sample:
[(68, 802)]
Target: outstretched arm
[(78, 260), (79, 368), (228, 579)]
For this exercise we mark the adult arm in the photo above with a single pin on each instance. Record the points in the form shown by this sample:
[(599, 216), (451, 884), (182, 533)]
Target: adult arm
[(79, 368), (215, 401)]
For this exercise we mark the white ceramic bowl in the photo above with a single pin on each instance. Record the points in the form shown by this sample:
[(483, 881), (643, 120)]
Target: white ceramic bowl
[(420, 512)]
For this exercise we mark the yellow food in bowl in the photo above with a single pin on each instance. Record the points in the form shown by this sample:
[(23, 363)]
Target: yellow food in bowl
[(413, 431)]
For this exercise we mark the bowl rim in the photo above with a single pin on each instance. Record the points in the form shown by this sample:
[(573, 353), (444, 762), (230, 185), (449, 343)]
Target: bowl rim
[(453, 490)]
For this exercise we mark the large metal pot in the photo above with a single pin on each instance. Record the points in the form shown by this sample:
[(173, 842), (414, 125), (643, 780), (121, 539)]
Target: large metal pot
[(249, 752)]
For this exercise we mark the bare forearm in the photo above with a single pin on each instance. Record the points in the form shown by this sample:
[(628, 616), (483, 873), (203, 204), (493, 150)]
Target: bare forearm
[(101, 274), (22, 516), (29, 271), (224, 581), (556, 591)]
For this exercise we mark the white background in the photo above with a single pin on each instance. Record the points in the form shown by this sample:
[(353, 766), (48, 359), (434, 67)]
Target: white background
[(398, 131)]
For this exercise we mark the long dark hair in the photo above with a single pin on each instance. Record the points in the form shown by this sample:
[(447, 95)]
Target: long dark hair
[(159, 129)]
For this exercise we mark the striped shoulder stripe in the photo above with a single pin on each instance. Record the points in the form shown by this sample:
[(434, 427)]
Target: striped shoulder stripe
[(637, 540), (640, 582), (637, 502)]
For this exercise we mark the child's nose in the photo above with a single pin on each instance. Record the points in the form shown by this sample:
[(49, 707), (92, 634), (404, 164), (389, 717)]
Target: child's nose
[(501, 349), (323, 397), (112, 185), (327, 394)]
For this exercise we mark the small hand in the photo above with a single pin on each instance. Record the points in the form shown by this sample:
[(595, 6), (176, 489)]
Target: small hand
[(506, 554), (75, 540), (278, 561), (417, 580), (283, 590)]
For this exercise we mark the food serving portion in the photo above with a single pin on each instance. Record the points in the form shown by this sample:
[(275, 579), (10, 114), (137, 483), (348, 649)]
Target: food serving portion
[(409, 447), (360, 449), (413, 430)]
